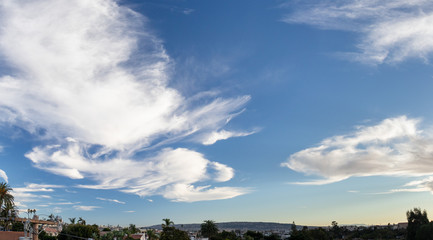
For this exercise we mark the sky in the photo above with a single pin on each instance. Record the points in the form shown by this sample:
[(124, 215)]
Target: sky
[(130, 111)]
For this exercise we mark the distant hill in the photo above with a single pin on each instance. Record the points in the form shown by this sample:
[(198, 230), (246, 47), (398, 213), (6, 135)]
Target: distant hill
[(228, 226)]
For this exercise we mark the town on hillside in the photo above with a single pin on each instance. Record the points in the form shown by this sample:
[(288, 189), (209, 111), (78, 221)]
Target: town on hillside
[(15, 227), (208, 230)]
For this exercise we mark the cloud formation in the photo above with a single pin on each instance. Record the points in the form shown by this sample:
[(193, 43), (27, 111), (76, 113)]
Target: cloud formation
[(90, 78), (156, 175), (394, 147), (3, 175), (391, 31), (32, 192)]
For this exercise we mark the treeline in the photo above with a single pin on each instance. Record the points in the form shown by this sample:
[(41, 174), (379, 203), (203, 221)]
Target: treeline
[(337, 232)]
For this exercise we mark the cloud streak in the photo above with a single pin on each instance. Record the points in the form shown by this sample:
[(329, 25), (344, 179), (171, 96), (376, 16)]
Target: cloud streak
[(390, 31), (92, 78), (394, 147), (85, 208), (110, 200), (32, 192)]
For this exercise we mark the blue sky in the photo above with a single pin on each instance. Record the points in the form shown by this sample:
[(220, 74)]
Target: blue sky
[(133, 111)]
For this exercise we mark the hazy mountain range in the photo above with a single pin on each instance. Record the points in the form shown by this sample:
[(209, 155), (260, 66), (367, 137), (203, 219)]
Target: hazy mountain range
[(228, 226)]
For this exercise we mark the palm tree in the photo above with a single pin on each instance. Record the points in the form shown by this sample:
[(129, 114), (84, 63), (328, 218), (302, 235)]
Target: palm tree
[(81, 221), (167, 222), (72, 220), (151, 234), (7, 206), (133, 229), (209, 229), (6, 198)]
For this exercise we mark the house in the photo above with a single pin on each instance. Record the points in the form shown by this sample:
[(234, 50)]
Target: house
[(138, 236), (402, 225), (51, 231)]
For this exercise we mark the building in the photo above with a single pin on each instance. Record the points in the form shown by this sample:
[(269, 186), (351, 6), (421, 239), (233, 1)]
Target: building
[(11, 235), (138, 236)]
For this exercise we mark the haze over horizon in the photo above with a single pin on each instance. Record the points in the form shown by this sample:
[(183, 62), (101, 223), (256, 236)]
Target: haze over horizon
[(262, 111)]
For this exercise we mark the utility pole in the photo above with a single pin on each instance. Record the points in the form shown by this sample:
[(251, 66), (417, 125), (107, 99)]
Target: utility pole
[(30, 224)]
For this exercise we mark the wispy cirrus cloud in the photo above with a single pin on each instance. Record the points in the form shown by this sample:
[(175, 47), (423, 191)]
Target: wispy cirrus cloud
[(110, 200), (215, 136), (394, 147), (94, 80), (85, 208), (390, 31), (33, 192)]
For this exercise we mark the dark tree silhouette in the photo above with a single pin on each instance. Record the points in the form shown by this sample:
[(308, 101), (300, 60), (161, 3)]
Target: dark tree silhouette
[(167, 222), (415, 219), (209, 229)]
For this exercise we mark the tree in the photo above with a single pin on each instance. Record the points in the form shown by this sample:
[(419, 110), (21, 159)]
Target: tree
[(133, 229), (415, 219), (228, 235), (209, 229), (113, 235), (72, 220), (7, 205), (425, 232), (71, 231), (293, 228), (273, 236), (336, 230), (171, 233), (167, 222), (81, 221), (6, 198), (44, 236), (150, 233), (254, 235)]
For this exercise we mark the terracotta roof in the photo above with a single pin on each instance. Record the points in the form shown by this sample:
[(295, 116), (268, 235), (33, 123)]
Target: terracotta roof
[(11, 235), (136, 236), (52, 230)]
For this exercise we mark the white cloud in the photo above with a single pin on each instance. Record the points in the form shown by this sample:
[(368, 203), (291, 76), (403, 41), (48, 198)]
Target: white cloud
[(32, 192), (154, 175), (188, 11), (423, 185), (3, 175), (189, 193), (391, 31), (57, 210), (394, 147), (110, 200), (85, 208), (65, 203), (215, 136), (96, 80), (129, 211), (34, 187)]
